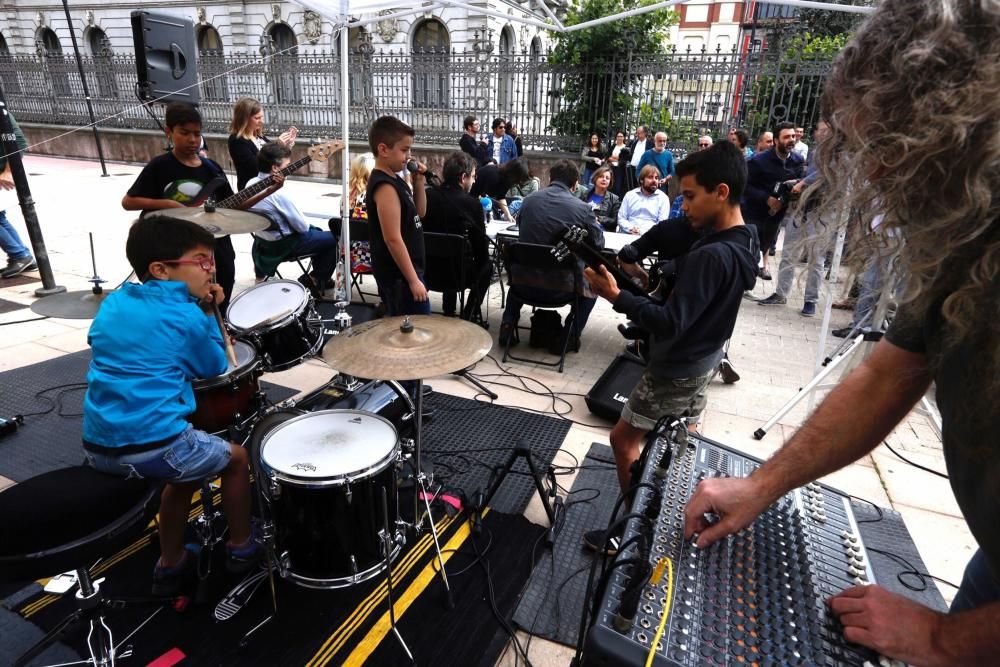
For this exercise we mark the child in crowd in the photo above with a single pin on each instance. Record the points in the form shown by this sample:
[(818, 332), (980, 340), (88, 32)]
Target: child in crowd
[(394, 213), (139, 390)]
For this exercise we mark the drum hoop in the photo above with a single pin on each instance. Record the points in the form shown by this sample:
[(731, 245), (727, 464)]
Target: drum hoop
[(277, 324), (340, 480), (237, 373)]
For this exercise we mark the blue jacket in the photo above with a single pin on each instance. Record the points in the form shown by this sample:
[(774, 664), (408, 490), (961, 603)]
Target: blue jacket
[(148, 341), (508, 149), (664, 162), (763, 171)]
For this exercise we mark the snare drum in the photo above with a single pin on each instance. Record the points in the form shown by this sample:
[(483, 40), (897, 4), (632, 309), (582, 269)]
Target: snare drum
[(278, 318), (227, 399), (323, 477)]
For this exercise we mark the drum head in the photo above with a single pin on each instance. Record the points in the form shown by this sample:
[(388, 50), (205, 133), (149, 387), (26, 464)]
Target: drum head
[(265, 304), (331, 445), (246, 356)]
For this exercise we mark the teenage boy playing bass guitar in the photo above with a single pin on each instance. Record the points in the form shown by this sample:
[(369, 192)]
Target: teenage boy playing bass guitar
[(179, 178)]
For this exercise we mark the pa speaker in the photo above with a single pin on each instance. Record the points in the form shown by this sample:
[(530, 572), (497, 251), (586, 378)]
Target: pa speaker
[(166, 58)]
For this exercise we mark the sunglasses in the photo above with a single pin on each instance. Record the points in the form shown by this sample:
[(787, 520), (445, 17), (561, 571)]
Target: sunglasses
[(704, 145), (205, 264)]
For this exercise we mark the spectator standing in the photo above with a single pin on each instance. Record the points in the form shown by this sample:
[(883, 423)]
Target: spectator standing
[(765, 142), (512, 131), (593, 157), (739, 136), (661, 158), (801, 147), (619, 159), (501, 148), (637, 148), (470, 142), (19, 258), (494, 182), (246, 136)]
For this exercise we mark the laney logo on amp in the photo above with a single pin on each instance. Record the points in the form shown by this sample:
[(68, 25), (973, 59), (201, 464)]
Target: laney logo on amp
[(618, 397)]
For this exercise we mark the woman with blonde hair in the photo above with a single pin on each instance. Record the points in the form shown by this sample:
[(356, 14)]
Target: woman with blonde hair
[(357, 184), (246, 136)]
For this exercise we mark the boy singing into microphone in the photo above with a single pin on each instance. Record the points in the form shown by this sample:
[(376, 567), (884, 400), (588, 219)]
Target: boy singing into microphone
[(394, 213), (149, 341)]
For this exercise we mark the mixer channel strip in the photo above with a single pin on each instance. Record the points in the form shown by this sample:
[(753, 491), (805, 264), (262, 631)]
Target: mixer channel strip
[(756, 598)]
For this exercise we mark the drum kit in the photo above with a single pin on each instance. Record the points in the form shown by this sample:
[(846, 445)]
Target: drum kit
[(329, 465)]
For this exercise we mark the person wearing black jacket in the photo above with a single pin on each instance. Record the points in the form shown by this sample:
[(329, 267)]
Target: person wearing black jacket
[(247, 136), (470, 143), (687, 331), (452, 210)]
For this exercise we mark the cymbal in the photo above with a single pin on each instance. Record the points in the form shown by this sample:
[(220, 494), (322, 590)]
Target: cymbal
[(81, 305), (221, 221), (384, 350)]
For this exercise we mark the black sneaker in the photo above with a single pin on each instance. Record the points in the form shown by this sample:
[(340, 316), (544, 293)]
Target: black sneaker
[(16, 267), (728, 373), (773, 300), (808, 309), (167, 581), (764, 274), (594, 540), (842, 333)]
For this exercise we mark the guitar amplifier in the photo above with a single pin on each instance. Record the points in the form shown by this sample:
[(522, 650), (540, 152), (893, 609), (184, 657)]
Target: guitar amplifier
[(610, 392)]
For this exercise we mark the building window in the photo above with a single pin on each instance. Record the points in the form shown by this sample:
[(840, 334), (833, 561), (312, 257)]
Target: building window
[(535, 85), (284, 49), (48, 46), (505, 77), (99, 47), (211, 64), (684, 106), (430, 65)]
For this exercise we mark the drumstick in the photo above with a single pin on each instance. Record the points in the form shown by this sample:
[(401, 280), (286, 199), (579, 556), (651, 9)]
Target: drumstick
[(230, 352)]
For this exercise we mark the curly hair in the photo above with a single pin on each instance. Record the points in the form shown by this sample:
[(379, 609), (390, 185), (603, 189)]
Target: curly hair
[(915, 134)]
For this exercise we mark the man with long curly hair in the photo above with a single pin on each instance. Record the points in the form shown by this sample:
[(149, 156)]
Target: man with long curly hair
[(915, 134)]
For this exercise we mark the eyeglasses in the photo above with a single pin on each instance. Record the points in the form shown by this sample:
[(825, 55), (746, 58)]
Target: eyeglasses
[(205, 263), (704, 145)]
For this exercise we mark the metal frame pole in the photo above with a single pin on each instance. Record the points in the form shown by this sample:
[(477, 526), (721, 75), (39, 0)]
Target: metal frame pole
[(86, 89)]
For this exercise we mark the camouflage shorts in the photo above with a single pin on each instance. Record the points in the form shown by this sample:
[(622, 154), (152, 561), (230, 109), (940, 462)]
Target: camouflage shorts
[(653, 398)]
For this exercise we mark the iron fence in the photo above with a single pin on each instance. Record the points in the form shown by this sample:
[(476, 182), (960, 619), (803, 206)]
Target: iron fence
[(554, 106)]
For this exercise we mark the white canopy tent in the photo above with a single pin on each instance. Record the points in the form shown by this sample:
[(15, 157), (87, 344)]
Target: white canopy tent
[(343, 14)]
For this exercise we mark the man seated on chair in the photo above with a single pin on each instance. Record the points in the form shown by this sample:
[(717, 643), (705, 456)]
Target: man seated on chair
[(689, 329), (289, 236), (452, 210), (544, 216), (139, 390)]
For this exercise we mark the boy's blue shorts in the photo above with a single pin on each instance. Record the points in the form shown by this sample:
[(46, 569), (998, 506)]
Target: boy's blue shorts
[(191, 456)]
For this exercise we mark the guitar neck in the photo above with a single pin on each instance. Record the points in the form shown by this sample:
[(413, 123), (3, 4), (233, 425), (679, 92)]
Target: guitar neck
[(250, 191), (594, 259)]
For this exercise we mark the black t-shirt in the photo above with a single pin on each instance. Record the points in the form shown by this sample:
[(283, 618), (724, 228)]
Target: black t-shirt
[(383, 265), (970, 418), (489, 182), (166, 177), (469, 145), (243, 153), (451, 210)]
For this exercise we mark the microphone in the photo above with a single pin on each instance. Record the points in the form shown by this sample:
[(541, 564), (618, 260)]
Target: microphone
[(413, 167)]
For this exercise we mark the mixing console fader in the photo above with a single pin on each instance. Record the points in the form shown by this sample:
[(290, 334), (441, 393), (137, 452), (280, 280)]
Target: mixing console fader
[(755, 598)]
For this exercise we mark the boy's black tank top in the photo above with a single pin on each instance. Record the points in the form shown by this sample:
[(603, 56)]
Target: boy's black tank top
[(383, 265)]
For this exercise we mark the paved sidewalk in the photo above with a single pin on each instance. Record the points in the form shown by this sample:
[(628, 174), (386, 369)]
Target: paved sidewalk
[(773, 348)]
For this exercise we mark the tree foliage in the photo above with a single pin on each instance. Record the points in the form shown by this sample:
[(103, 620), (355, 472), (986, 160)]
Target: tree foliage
[(595, 90), (827, 23)]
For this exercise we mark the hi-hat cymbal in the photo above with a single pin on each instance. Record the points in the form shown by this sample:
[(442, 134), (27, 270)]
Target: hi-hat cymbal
[(81, 305), (385, 350), (221, 221)]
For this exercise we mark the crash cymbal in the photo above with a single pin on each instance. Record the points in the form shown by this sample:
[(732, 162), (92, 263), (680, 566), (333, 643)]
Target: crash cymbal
[(221, 221), (81, 305), (387, 350)]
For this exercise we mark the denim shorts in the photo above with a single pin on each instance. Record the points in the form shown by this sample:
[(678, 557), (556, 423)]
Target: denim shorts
[(191, 456), (653, 398)]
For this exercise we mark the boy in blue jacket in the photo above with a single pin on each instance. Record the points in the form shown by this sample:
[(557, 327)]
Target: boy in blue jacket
[(149, 342)]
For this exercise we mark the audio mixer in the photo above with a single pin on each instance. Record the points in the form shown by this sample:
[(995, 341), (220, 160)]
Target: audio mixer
[(757, 597)]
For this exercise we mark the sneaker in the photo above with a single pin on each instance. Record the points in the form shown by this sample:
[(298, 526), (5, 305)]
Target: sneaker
[(508, 332), (728, 373), (773, 300), (18, 266), (240, 559), (749, 296), (808, 309), (594, 540), (167, 581), (842, 333), (764, 274)]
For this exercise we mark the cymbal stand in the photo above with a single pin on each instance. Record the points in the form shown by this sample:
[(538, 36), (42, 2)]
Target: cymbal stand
[(420, 489), (96, 280)]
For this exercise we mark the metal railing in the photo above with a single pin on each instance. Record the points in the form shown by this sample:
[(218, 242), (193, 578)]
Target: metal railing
[(554, 106)]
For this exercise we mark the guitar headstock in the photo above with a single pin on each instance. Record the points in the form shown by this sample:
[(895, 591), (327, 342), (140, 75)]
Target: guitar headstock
[(575, 234), (322, 152)]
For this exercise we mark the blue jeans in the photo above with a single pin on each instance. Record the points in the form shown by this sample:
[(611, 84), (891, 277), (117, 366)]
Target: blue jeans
[(191, 456), (323, 245), (979, 586), (512, 311), (10, 242), (801, 235)]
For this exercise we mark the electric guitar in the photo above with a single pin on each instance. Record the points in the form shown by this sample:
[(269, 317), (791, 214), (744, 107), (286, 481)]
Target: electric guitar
[(573, 240), (317, 152)]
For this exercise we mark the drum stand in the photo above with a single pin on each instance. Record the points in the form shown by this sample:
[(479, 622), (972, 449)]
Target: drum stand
[(206, 528), (388, 544)]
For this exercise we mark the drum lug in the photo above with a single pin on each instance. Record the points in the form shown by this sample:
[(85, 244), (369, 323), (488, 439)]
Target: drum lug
[(275, 488), (348, 495), (354, 566)]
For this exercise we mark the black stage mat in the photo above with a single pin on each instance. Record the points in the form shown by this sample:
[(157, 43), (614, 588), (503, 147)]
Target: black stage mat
[(50, 396), (467, 439), (7, 306), (346, 626), (553, 602)]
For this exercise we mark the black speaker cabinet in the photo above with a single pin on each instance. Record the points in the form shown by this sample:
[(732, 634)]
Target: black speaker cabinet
[(166, 58), (610, 393)]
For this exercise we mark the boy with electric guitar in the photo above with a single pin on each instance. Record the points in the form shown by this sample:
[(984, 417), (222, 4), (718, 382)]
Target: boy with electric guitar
[(183, 178)]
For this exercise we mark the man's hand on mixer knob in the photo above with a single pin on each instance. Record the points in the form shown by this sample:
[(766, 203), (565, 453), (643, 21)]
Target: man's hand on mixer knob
[(891, 624), (735, 501)]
